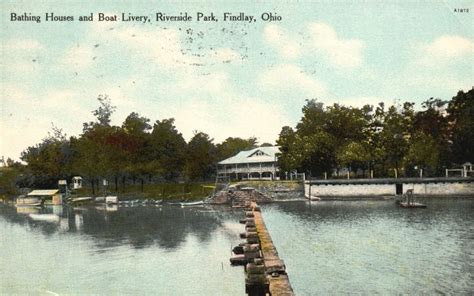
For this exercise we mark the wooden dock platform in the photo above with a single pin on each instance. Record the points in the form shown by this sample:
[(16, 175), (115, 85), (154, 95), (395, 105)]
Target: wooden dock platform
[(265, 271)]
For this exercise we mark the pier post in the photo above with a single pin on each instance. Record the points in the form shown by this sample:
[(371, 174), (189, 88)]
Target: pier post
[(309, 190)]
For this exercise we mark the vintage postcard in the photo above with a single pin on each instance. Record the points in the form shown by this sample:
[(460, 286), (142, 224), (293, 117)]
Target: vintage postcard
[(136, 135)]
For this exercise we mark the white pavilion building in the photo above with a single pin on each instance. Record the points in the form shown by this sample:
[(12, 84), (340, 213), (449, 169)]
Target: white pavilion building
[(258, 163)]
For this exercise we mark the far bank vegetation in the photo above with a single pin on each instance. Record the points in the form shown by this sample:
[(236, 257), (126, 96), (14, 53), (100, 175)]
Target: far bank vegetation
[(153, 158)]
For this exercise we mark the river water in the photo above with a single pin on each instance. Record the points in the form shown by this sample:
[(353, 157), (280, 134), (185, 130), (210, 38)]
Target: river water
[(120, 251), (331, 247), (374, 247)]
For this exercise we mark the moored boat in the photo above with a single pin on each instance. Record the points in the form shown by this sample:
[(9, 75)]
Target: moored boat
[(191, 204), (410, 201), (29, 202), (412, 205), (80, 199)]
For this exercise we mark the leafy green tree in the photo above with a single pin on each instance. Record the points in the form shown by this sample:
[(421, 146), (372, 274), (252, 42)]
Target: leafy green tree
[(315, 153), (136, 125), (393, 140), (49, 160), (167, 150), (135, 130), (432, 121), (461, 117), (93, 159), (232, 146), (94, 155), (104, 112), (287, 160), (201, 157), (315, 144), (354, 155), (9, 177), (422, 153), (324, 131)]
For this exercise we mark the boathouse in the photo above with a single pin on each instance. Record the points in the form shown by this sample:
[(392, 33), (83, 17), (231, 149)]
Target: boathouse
[(255, 164), (52, 196)]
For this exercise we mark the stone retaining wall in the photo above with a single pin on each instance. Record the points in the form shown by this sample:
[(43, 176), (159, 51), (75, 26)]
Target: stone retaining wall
[(358, 188)]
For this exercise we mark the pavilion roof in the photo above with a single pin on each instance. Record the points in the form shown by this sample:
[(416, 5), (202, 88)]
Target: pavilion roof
[(256, 155)]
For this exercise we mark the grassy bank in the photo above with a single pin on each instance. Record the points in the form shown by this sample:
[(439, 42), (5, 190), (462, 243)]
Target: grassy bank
[(165, 191)]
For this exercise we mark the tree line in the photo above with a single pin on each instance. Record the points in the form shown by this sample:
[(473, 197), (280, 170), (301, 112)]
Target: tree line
[(388, 140), (137, 151)]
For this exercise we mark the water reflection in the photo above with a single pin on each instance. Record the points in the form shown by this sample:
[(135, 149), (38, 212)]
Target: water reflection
[(119, 250), (110, 226)]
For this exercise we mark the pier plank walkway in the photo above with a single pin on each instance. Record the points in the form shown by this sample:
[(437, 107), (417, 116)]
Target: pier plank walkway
[(275, 270)]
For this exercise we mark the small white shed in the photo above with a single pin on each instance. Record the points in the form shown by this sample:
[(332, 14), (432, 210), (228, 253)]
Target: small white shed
[(76, 182), (49, 195)]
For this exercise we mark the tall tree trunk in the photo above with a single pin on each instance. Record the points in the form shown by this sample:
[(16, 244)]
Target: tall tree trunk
[(116, 183), (123, 183), (92, 186), (142, 183)]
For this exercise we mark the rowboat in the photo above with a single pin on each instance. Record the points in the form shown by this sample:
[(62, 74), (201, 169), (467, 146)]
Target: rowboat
[(80, 199), (29, 202), (412, 205), (191, 204)]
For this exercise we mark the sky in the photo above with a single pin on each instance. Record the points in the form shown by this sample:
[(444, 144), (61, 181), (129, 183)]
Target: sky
[(224, 78)]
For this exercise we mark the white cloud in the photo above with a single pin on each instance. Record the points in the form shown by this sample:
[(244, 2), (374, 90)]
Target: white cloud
[(282, 42), (450, 84), (445, 49), (19, 45), (78, 57), (226, 55), (16, 138), (21, 57), (342, 53), (160, 46), (27, 116), (166, 47), (19, 125), (291, 77), (234, 117), (189, 82), (13, 94)]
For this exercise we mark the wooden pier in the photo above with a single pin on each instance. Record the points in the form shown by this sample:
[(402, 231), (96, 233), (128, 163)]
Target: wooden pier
[(265, 272)]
